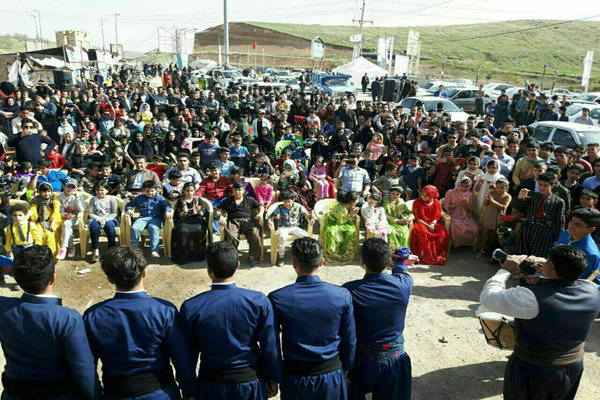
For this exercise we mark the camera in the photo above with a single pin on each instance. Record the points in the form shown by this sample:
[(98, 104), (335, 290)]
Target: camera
[(525, 268), (505, 229), (488, 153), (533, 195)]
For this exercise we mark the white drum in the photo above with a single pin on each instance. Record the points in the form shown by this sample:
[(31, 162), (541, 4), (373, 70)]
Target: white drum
[(497, 328)]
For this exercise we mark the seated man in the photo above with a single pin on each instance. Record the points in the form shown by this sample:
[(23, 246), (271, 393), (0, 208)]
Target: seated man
[(215, 188), (132, 181), (288, 216), (239, 220), (353, 178), (152, 207), (44, 174)]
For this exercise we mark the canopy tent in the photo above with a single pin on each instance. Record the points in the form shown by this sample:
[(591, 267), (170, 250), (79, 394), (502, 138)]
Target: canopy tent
[(357, 69)]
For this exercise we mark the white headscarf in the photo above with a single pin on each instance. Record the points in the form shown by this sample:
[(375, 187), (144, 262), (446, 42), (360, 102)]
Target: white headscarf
[(484, 190)]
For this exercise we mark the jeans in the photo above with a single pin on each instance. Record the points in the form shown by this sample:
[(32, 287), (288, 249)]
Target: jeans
[(153, 225), (216, 226), (109, 229)]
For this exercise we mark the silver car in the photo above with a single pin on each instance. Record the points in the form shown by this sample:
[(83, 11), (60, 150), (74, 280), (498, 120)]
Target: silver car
[(566, 134), (465, 98)]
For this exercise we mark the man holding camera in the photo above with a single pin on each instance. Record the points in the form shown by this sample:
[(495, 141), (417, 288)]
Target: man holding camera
[(553, 318), (353, 178)]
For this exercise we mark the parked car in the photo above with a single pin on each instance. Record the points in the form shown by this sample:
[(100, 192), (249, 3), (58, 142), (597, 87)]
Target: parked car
[(560, 92), (494, 89), (294, 84), (296, 72), (574, 111), (431, 103), (566, 134), (429, 88), (592, 96), (223, 77), (465, 98)]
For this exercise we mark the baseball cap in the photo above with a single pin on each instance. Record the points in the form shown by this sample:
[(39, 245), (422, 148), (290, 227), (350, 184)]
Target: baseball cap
[(71, 182)]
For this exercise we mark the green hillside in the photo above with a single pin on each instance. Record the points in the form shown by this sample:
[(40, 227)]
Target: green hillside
[(562, 47), (16, 42)]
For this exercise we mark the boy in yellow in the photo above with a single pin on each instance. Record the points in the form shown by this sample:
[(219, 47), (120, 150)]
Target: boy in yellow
[(45, 212), (21, 233)]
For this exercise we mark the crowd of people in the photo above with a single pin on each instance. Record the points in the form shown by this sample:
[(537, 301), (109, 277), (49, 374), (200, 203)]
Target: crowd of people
[(178, 151)]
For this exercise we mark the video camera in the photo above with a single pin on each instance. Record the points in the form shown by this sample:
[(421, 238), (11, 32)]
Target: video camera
[(526, 267)]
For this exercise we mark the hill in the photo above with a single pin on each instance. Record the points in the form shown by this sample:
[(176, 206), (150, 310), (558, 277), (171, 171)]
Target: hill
[(16, 42), (516, 57)]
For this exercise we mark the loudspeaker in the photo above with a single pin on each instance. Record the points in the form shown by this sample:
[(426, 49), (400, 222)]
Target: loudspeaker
[(391, 88), (63, 80)]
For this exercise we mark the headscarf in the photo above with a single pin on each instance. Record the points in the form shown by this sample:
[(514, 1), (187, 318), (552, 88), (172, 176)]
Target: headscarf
[(43, 204), (463, 180), (431, 191), (287, 180), (484, 190)]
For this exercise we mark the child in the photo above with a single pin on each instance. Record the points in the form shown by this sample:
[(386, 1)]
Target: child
[(297, 151), (485, 185), (152, 208), (399, 218), (473, 172), (260, 166), (225, 164), (237, 151), (508, 228), (24, 171), (368, 164), (45, 212), (157, 166), (118, 163), (288, 134), (338, 234), (71, 204), (495, 204), (457, 203), (322, 183), (57, 161), (21, 233), (429, 237), (263, 192), (173, 189), (7, 180), (375, 220), (413, 175), (64, 128), (288, 216), (89, 180), (103, 213), (574, 172), (163, 123)]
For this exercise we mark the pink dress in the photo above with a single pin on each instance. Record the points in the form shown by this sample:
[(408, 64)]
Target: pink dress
[(463, 228), (324, 185), (264, 194)]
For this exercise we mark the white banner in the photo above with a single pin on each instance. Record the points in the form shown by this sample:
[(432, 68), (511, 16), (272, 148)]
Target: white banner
[(317, 49), (356, 38), (587, 69), (381, 52), (401, 66), (356, 51)]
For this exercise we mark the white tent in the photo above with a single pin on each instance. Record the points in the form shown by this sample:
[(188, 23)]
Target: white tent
[(357, 69)]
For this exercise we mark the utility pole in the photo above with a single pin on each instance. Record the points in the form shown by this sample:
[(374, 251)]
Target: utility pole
[(40, 24), (116, 32), (361, 22), (443, 68), (37, 34), (226, 32), (543, 77), (102, 26)]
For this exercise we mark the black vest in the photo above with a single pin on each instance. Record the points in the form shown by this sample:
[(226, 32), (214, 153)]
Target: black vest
[(567, 312)]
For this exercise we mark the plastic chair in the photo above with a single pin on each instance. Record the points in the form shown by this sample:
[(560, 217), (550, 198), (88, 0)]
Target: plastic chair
[(165, 232), (209, 232), (322, 207), (446, 217), (243, 237), (84, 229), (279, 146), (291, 238)]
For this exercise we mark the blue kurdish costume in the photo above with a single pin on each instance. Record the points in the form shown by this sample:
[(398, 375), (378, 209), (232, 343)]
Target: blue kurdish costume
[(46, 349), (232, 329), (318, 336), (136, 337), (381, 365)]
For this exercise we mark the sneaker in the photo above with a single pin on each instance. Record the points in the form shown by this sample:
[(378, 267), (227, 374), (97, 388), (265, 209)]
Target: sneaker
[(253, 261), (71, 252), (280, 261), (155, 254), (62, 252)]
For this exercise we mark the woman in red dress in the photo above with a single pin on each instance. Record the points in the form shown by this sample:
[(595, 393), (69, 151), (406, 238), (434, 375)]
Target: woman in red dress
[(429, 238)]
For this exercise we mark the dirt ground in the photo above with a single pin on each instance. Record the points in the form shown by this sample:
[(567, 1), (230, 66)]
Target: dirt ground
[(443, 303)]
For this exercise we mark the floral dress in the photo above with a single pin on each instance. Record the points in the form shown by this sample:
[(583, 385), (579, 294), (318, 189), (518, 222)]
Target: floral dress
[(399, 234), (376, 221), (338, 235)]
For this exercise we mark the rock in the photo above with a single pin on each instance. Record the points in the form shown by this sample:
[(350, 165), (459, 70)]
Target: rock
[(444, 339)]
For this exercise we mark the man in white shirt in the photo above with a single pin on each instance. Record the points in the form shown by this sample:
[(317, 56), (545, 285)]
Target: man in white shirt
[(553, 318), (187, 174), (25, 114)]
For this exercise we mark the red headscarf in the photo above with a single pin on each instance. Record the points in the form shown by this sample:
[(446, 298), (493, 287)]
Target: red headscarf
[(431, 191)]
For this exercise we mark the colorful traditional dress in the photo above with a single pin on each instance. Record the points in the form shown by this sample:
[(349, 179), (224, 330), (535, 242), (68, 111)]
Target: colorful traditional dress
[(399, 234), (376, 221), (323, 184), (429, 246), (464, 229), (338, 235), (46, 214)]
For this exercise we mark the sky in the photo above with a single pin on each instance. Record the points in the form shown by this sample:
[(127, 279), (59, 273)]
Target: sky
[(138, 20)]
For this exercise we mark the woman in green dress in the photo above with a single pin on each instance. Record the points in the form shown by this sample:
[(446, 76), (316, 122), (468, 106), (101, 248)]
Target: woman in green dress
[(338, 233), (399, 216)]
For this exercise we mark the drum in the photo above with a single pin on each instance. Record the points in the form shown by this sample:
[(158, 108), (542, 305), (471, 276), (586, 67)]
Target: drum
[(497, 329)]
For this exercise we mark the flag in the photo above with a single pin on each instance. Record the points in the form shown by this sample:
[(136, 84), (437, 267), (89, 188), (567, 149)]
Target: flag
[(253, 45)]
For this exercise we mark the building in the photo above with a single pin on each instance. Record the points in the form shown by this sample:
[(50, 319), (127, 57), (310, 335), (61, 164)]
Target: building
[(73, 38)]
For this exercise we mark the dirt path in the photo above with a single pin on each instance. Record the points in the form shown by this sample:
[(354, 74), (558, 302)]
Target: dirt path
[(443, 303)]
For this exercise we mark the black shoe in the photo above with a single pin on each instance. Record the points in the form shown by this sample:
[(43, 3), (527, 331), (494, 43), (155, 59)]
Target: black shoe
[(280, 261)]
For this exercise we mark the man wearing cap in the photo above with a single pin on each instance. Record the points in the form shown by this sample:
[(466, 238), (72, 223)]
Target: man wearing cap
[(187, 174), (261, 122)]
